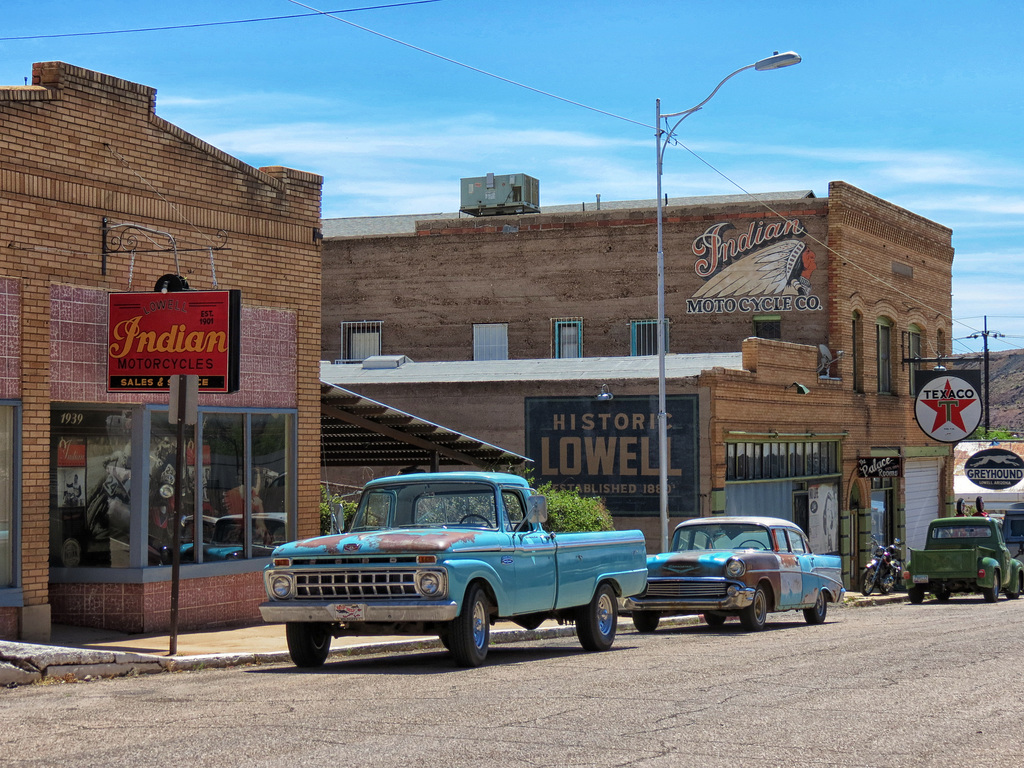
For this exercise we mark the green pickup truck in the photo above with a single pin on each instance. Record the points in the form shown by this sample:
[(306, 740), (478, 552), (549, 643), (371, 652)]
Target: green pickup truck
[(963, 554)]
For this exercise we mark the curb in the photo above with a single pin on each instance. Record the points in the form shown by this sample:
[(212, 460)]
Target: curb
[(26, 663)]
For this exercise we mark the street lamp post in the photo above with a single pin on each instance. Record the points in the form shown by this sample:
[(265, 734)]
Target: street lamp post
[(661, 138)]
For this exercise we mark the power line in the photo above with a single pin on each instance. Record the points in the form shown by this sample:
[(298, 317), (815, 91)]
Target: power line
[(213, 23)]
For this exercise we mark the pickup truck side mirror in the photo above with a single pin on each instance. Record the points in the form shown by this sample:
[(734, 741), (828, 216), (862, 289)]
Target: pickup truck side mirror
[(537, 509)]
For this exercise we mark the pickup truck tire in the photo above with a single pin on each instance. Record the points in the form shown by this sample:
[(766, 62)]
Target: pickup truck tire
[(916, 594), (646, 621), (1018, 587), (991, 594), (469, 633), (754, 616), (308, 642), (714, 619), (816, 614), (596, 622), (943, 595)]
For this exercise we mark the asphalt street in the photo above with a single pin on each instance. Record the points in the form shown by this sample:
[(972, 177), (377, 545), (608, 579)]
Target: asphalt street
[(892, 685)]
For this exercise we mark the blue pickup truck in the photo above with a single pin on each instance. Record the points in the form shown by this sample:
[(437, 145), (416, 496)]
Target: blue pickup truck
[(448, 554)]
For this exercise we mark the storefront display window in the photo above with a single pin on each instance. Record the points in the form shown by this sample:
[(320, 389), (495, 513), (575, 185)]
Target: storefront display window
[(882, 494), (239, 480), (7, 494), (91, 488)]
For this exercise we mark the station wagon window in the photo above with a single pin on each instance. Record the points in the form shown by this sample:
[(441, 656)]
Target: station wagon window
[(796, 542)]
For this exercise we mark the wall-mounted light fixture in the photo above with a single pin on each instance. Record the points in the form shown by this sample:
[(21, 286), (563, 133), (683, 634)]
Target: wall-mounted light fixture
[(801, 389), (605, 393)]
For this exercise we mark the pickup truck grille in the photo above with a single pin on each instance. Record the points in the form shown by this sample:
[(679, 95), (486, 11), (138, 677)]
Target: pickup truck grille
[(693, 589), (355, 584)]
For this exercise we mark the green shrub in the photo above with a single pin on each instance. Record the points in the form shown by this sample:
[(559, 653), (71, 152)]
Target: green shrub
[(334, 502), (569, 512)]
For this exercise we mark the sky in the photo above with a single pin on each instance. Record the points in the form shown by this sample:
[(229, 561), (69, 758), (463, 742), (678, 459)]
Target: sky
[(918, 102)]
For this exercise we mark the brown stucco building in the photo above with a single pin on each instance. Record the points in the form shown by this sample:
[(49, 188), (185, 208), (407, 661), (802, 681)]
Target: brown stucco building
[(789, 320), (99, 195)]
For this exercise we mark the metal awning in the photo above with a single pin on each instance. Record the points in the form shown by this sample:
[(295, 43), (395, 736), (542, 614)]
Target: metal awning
[(358, 431)]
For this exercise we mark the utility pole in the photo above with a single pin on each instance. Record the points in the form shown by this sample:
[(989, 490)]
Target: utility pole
[(984, 336)]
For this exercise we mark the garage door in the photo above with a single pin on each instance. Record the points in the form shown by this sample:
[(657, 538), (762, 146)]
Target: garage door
[(922, 498)]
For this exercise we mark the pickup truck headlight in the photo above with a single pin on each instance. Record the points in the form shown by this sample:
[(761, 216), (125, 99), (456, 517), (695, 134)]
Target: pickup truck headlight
[(281, 585), (735, 568), (429, 583)]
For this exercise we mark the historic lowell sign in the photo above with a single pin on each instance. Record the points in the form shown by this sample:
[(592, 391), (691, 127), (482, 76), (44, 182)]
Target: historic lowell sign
[(610, 449), (153, 336)]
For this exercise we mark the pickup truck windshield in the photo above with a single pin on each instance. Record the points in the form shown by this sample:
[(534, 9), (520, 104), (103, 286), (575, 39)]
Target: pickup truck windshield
[(721, 536), (424, 505)]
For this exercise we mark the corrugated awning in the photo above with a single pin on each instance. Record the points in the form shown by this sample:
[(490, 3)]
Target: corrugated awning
[(358, 431)]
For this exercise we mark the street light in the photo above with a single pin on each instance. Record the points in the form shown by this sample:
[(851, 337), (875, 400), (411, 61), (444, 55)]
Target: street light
[(661, 138)]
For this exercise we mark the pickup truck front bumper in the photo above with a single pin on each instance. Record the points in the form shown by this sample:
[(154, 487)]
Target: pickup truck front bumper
[(392, 611)]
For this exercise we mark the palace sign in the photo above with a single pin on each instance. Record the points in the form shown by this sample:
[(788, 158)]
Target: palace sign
[(948, 406), (154, 336)]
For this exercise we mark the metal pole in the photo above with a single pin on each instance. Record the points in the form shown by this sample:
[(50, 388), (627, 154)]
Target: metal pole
[(985, 347), (179, 471), (662, 410)]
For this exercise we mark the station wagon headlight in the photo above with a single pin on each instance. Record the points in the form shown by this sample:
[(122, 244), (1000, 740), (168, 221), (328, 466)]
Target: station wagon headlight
[(281, 585), (430, 584), (735, 568)]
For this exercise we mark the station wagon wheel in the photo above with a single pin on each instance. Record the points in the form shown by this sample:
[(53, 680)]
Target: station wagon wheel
[(816, 615), (754, 616), (308, 642), (991, 594), (714, 619), (646, 621), (916, 594), (470, 632), (596, 622)]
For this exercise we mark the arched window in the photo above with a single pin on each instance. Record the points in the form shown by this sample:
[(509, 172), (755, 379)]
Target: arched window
[(883, 347), (857, 344), (913, 350)]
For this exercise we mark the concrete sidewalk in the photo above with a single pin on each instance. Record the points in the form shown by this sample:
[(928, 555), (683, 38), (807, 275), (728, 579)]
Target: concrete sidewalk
[(82, 653)]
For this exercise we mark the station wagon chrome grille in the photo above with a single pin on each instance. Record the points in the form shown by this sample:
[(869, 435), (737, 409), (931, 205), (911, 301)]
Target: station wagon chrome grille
[(355, 584), (697, 589)]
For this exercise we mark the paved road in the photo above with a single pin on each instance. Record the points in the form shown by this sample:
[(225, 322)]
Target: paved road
[(896, 685)]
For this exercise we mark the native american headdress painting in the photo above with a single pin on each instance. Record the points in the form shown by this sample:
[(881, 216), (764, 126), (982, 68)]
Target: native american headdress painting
[(783, 267)]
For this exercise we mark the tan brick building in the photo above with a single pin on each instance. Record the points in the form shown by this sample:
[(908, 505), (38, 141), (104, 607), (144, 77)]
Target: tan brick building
[(513, 325), (99, 195)]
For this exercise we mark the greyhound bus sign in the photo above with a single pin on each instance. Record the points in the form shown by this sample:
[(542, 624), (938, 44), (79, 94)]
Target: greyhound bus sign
[(948, 407)]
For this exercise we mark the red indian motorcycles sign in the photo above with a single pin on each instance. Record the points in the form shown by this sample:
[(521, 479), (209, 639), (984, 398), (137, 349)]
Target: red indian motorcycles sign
[(766, 268), (153, 336)]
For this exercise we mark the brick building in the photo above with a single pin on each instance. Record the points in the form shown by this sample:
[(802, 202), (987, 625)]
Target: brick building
[(789, 320), (98, 195)]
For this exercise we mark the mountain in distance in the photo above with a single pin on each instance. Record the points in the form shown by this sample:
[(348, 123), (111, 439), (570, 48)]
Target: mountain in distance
[(1006, 387)]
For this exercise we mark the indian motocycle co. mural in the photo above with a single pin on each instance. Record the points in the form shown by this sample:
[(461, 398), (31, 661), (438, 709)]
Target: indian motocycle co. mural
[(767, 268)]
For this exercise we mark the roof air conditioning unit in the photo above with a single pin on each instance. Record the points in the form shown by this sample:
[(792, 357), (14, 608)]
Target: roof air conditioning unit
[(492, 195)]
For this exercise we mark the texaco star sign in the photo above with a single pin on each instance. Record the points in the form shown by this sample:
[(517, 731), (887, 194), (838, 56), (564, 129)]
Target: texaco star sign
[(948, 407)]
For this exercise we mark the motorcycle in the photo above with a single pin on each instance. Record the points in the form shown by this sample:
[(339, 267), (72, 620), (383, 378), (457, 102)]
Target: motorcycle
[(884, 570)]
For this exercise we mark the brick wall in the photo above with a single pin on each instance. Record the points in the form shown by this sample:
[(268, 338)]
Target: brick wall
[(80, 146)]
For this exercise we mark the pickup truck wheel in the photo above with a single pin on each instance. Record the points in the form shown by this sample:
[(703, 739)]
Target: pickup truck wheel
[(867, 581), (646, 621), (308, 642), (991, 594), (754, 616), (816, 615), (916, 594), (470, 632), (596, 622), (943, 595), (1018, 587)]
